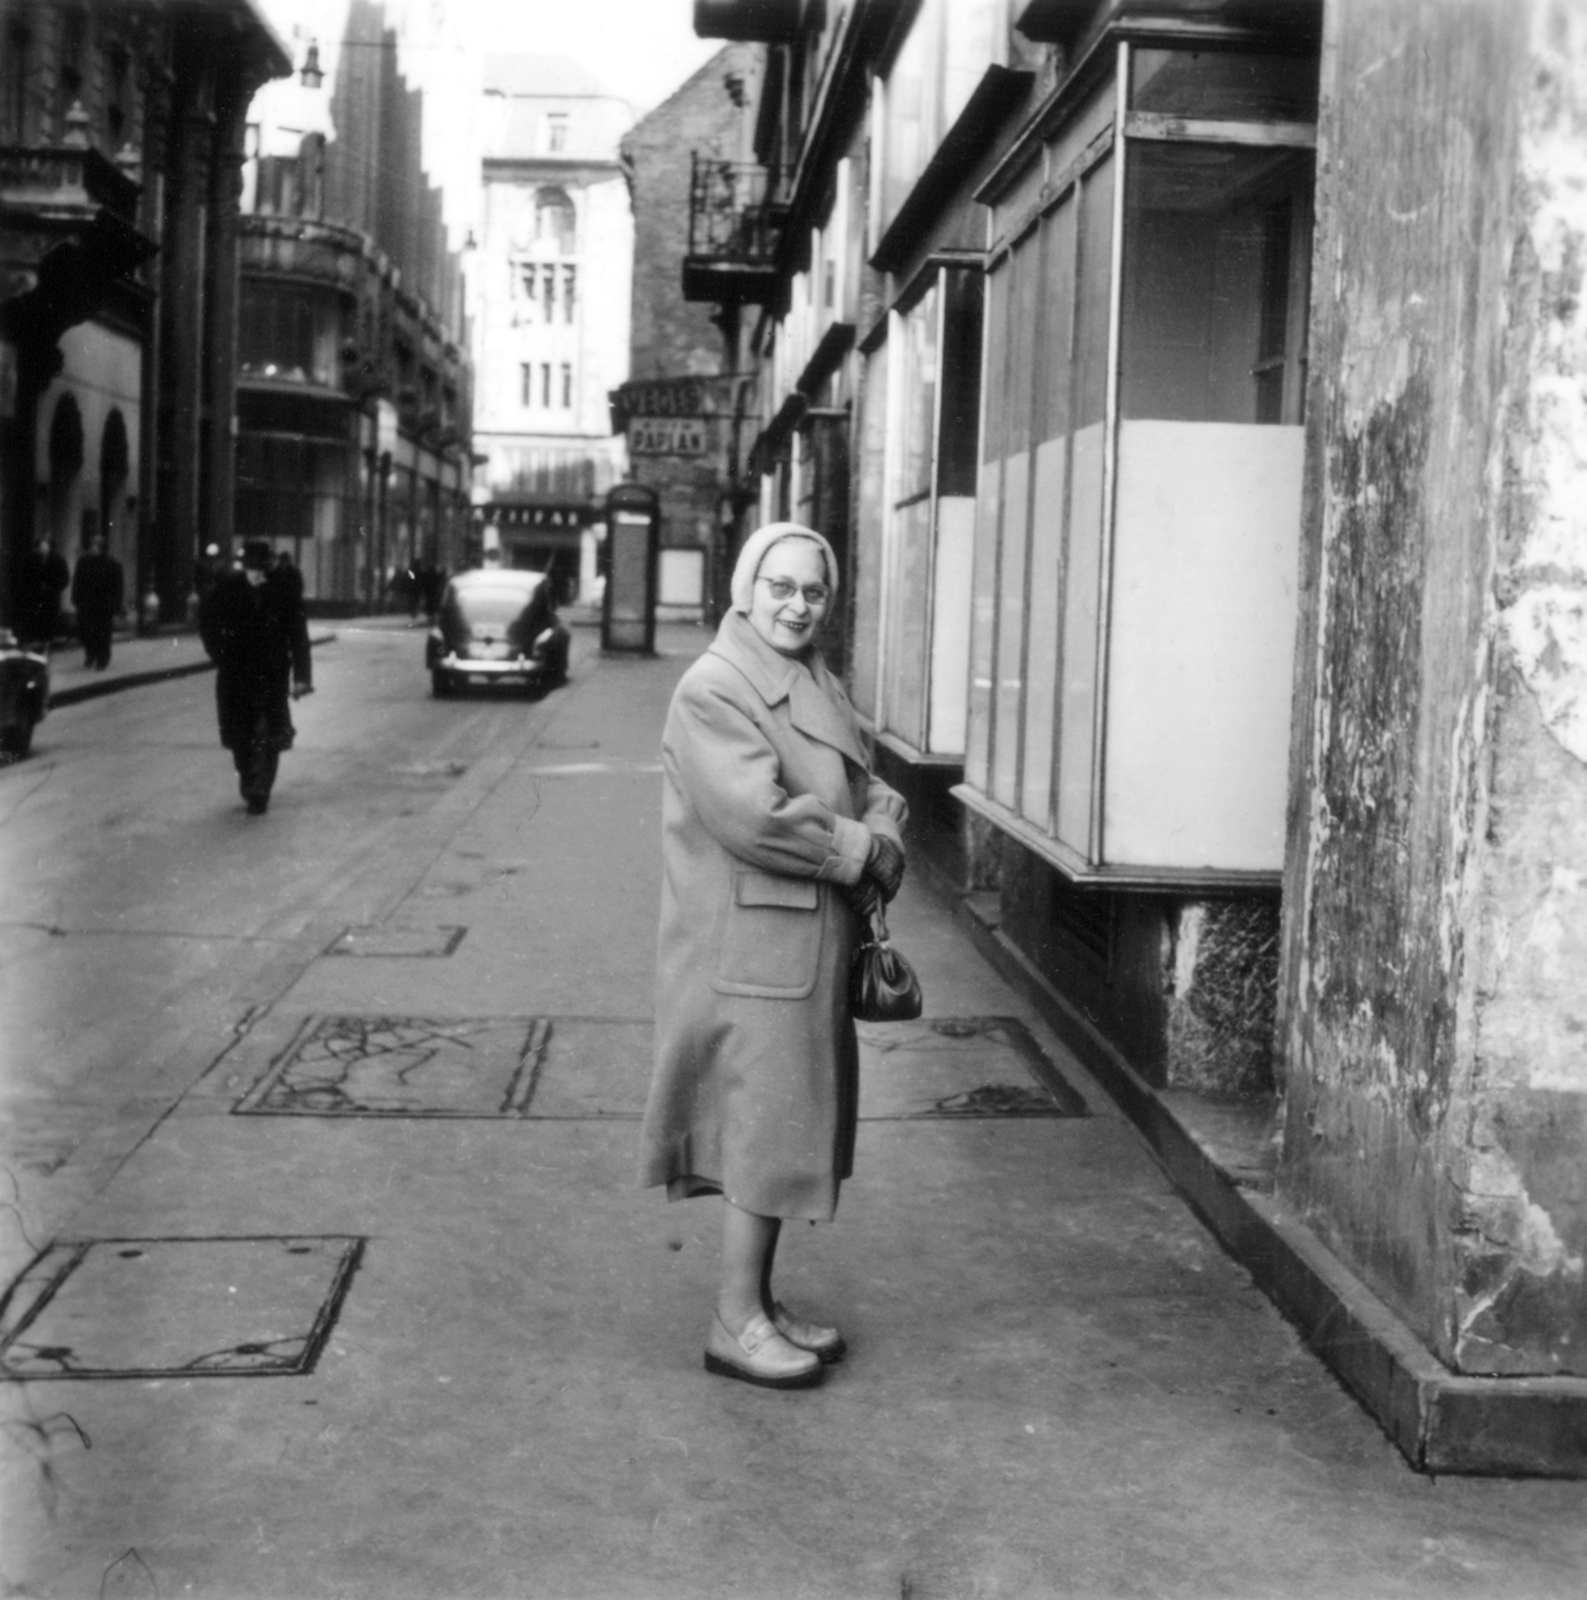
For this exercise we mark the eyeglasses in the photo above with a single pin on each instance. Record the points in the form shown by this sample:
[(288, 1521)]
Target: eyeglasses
[(816, 594)]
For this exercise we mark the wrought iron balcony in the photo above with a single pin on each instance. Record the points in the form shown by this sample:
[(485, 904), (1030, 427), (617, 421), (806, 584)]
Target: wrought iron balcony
[(735, 223)]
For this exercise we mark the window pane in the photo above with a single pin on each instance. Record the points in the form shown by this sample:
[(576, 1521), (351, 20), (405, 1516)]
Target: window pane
[(1220, 84), (906, 648), (988, 507), (1025, 266), (917, 398), (1055, 372), (1091, 306), (1214, 280), (958, 431), (1055, 375), (1083, 548)]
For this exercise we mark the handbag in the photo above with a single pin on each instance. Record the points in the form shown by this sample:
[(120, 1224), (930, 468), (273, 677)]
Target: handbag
[(882, 984)]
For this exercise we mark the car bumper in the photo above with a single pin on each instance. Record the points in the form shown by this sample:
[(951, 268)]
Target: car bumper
[(521, 670)]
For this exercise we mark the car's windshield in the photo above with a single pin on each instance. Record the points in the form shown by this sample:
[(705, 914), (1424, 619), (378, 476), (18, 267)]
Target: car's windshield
[(492, 605)]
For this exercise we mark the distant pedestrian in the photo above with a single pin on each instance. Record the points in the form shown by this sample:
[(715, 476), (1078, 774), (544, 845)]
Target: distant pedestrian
[(776, 842), (253, 627), (98, 592), (44, 579), (287, 569)]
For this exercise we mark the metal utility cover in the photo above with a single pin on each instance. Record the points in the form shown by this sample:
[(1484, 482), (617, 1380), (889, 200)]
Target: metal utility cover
[(176, 1308), (959, 1067), (521, 1067), (398, 942)]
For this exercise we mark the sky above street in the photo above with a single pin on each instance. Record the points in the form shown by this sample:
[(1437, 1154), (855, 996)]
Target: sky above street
[(640, 49)]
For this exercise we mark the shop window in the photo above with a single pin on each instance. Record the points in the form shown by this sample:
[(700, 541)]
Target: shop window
[(1223, 86), (1139, 499), (286, 332), (929, 512)]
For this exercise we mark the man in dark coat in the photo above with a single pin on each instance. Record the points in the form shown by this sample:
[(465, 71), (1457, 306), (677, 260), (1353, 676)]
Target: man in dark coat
[(253, 627), (44, 579), (97, 599)]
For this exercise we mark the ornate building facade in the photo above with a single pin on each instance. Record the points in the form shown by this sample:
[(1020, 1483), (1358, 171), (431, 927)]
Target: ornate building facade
[(122, 129), (551, 313), (354, 386)]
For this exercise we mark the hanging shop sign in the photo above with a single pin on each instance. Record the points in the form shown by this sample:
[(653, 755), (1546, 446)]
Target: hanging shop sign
[(668, 436)]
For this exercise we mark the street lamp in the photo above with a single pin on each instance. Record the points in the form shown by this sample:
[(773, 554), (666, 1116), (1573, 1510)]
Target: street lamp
[(311, 74)]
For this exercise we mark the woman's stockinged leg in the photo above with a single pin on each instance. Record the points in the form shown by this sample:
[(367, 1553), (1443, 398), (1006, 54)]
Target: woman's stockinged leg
[(749, 1244)]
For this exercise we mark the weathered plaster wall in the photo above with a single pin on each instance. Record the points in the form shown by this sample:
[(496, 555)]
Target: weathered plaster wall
[(1435, 964)]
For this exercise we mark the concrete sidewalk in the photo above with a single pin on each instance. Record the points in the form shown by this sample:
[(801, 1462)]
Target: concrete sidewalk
[(403, 1190)]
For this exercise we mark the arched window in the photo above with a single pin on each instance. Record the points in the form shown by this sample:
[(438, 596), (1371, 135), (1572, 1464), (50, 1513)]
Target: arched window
[(556, 219), (66, 464)]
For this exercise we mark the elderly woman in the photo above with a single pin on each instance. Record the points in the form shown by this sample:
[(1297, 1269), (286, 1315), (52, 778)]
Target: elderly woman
[(776, 839)]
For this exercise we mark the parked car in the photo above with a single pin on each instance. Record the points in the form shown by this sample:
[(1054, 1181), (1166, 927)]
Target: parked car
[(24, 694), (497, 626)]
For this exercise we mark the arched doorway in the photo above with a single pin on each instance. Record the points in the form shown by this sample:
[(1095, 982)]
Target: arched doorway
[(66, 465), (115, 463)]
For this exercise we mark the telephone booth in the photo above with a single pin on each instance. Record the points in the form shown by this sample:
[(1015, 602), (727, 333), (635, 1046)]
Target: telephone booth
[(633, 539)]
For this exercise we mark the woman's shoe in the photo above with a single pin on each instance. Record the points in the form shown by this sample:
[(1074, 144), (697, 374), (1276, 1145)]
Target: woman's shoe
[(761, 1355), (825, 1343)]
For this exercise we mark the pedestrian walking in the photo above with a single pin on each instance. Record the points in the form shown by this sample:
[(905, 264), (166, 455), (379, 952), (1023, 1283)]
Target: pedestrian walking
[(44, 579), (253, 628), (98, 591), (776, 842)]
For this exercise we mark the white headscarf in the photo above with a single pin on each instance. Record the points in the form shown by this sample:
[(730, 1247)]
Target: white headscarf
[(754, 552)]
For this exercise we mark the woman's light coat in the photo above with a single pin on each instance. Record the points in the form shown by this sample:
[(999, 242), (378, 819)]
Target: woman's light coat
[(768, 811)]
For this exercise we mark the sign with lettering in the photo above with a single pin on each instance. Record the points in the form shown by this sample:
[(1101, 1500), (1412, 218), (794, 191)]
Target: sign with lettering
[(674, 436), (536, 517), (677, 397)]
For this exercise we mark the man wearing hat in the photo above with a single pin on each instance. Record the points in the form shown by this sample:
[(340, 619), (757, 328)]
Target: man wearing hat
[(253, 627)]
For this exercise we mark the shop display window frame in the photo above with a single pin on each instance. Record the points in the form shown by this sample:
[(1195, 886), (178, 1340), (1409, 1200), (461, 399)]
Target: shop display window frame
[(1101, 136)]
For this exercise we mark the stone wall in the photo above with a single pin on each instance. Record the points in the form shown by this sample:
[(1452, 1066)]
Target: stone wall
[(1435, 943)]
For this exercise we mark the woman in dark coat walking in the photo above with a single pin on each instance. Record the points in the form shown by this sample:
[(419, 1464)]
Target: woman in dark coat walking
[(253, 627), (776, 839)]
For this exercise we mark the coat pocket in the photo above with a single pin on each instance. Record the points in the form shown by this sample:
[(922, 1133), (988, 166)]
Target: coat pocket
[(771, 937)]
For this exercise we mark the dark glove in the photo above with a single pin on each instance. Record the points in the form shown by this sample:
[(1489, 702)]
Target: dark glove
[(885, 865), (864, 897)]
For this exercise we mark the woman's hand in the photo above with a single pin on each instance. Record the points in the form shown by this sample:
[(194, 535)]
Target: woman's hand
[(884, 865), (865, 897)]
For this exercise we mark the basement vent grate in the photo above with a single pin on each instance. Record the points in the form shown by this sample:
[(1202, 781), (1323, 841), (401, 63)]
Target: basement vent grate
[(532, 1068), (956, 1067), (250, 1307)]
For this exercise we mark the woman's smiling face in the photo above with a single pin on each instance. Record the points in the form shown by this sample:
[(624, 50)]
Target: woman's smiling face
[(791, 595)]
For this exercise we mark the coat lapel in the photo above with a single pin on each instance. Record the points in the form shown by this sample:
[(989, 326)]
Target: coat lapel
[(817, 706)]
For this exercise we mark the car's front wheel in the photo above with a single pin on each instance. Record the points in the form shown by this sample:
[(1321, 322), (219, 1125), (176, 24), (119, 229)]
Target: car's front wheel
[(442, 684)]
